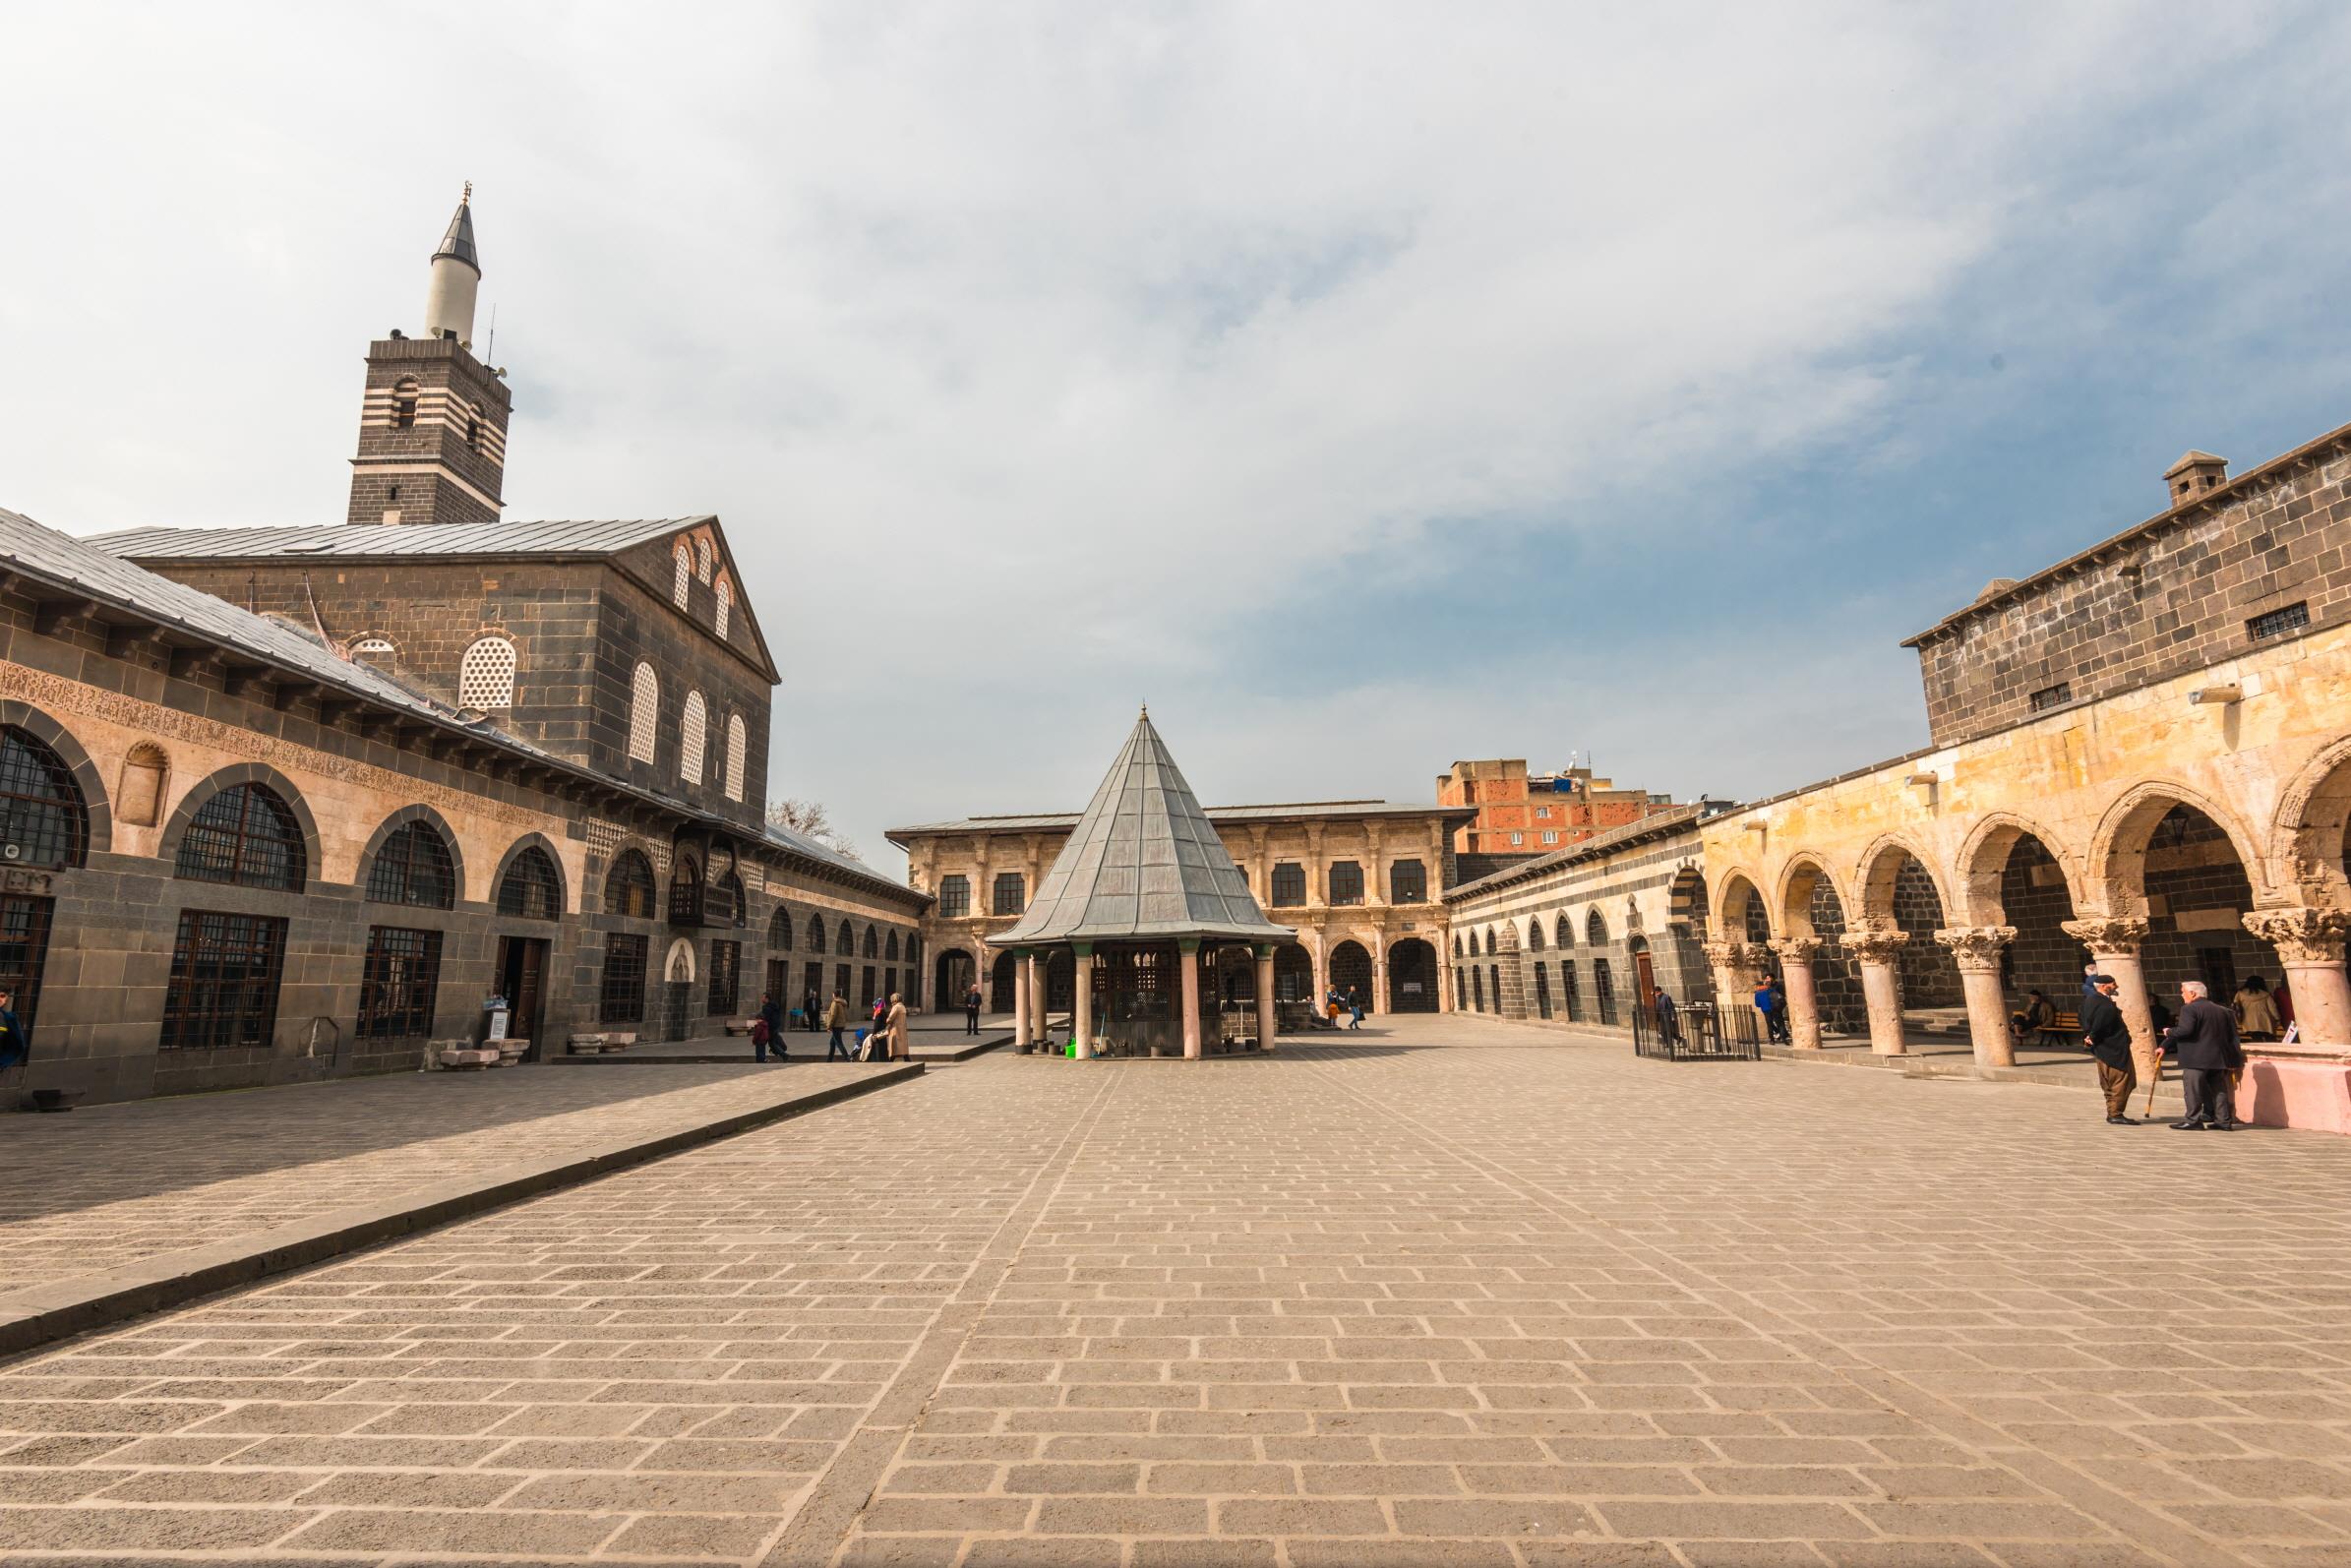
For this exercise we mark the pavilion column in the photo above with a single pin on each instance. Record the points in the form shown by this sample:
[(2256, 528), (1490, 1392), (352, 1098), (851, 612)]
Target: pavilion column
[(1379, 974), (1266, 1013), (1874, 949), (1322, 972), (1803, 1000), (1081, 1017), (1977, 950), (2309, 949), (1020, 1001), (2113, 942), (1189, 946), (1038, 968)]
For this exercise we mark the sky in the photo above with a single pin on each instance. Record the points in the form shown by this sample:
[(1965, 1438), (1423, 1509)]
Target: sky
[(1361, 385)]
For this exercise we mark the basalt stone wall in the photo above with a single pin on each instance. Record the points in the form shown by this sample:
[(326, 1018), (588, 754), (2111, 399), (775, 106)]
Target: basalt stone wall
[(1929, 978), (2033, 894)]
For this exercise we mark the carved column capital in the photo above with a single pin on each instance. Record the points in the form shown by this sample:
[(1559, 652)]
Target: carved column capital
[(2303, 935), (1724, 952), (2116, 934), (1794, 949), (1875, 944), (1976, 947)]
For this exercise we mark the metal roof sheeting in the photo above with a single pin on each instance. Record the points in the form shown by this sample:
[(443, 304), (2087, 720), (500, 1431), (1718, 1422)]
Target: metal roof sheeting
[(346, 542), (1046, 821)]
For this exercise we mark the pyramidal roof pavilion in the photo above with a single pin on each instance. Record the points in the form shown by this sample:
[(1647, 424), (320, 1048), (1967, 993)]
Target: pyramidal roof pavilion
[(1143, 868)]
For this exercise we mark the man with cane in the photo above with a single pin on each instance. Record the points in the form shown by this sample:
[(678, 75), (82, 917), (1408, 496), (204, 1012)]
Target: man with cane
[(2204, 1039), (2109, 1040)]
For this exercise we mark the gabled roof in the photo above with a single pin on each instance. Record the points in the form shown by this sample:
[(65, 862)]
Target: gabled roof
[(1142, 863)]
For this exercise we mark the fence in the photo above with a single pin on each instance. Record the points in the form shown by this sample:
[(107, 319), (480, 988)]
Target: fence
[(1700, 1032)]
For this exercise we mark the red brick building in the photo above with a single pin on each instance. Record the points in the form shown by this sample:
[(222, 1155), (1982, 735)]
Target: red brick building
[(1530, 814)]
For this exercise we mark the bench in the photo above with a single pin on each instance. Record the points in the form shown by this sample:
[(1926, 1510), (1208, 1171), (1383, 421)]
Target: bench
[(2064, 1029)]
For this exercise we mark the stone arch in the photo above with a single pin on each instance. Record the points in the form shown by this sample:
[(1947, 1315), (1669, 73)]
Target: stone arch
[(391, 824), (619, 872), (1563, 932), (2118, 848), (96, 804), (1596, 927), (2306, 834), (1875, 874), (1738, 896), (1984, 856), (1490, 940), (167, 847), (542, 843), (957, 968), (680, 957), (1685, 898), (1535, 934), (1801, 879)]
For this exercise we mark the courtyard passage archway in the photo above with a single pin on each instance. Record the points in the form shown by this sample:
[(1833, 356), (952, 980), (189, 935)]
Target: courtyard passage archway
[(1350, 970), (955, 973), (1412, 975)]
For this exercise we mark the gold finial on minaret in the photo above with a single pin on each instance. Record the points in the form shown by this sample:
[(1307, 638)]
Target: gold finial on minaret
[(467, 198)]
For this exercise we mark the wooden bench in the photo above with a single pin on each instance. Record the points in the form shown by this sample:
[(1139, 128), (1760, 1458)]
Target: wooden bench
[(2065, 1029)]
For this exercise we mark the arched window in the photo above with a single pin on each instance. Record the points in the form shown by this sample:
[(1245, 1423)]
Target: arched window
[(685, 891), (694, 735), (780, 929), (725, 592), (374, 648), (645, 711), (1490, 939), (1563, 932), (683, 556), (414, 867), (704, 559), (873, 942), (1535, 934), (815, 933), (473, 433), (889, 948), (486, 675), (43, 818), (532, 889), (403, 405), (1595, 930), (629, 886), (731, 885), (245, 836), (846, 947), (735, 741)]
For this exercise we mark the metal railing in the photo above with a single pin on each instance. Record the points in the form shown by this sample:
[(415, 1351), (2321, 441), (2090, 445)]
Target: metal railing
[(1700, 1032)]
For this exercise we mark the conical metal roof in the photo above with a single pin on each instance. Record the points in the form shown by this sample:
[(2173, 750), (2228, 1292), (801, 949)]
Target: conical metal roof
[(458, 241), (1143, 864)]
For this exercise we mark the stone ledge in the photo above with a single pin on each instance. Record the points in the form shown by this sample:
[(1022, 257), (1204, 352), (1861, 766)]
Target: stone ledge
[(61, 1308)]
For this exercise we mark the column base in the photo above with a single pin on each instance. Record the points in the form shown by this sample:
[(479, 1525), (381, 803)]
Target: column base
[(2312, 1092)]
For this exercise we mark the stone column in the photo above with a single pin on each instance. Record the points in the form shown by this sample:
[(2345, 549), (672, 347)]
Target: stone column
[(1873, 949), (1021, 981), (1081, 1012), (1803, 1001), (2113, 942), (2309, 949), (1379, 974), (1322, 972), (1734, 971), (1266, 1011), (1976, 949), (1037, 1030), (1189, 948)]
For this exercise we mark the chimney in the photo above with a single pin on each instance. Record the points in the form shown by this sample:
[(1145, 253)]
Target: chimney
[(2192, 475)]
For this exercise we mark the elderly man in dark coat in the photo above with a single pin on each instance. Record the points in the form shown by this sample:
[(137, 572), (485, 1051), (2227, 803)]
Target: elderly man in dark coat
[(2109, 1040), (2205, 1039)]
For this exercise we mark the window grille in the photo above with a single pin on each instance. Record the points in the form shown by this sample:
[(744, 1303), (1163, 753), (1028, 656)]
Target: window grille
[(735, 744), (1347, 882), (621, 992), (872, 947), (2050, 697), (397, 984), (1011, 893), (223, 987), (726, 976), (2277, 622), (726, 603), (702, 559), (245, 836), (1290, 885), (645, 711), (694, 735), (683, 588), (374, 648), (42, 820), (486, 675), (845, 944), (629, 886), (815, 933), (955, 897), (24, 951), (1408, 883), (1595, 930), (780, 929), (685, 892), (414, 867), (736, 912), (889, 947), (532, 889)]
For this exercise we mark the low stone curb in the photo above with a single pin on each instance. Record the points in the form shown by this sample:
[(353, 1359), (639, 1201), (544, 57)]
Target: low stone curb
[(58, 1309)]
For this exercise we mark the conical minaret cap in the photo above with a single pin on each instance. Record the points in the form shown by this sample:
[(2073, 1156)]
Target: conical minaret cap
[(457, 242), (1144, 864)]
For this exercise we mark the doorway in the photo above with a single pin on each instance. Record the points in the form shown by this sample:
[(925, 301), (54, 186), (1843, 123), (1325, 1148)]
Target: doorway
[(523, 982), (1645, 980)]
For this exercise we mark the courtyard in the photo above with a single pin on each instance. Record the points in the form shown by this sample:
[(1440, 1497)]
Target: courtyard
[(1451, 1290)]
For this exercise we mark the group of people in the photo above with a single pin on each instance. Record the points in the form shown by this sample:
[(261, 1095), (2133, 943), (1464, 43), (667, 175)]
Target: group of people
[(884, 1031), (2206, 1040), (1334, 1002)]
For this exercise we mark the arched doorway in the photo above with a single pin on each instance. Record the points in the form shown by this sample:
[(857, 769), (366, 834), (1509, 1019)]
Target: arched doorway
[(2197, 892), (1294, 973), (1412, 975), (1897, 891), (1000, 990), (955, 973), (1645, 975), (1815, 909), (1350, 970)]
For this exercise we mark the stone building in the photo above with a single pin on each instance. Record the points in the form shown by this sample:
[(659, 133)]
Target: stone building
[(1586, 933), (1359, 881), (291, 803), (2141, 756), (1524, 813)]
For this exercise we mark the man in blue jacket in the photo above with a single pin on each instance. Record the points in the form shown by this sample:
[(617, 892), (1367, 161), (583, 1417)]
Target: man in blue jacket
[(14, 1045)]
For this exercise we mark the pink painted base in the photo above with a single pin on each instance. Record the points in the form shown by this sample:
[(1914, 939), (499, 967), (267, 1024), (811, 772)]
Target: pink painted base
[(2285, 1092)]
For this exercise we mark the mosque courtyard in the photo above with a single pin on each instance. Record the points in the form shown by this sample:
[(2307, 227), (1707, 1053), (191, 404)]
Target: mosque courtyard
[(1449, 1290)]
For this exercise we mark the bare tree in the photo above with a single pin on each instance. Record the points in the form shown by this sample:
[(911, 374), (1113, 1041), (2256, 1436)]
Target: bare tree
[(809, 819)]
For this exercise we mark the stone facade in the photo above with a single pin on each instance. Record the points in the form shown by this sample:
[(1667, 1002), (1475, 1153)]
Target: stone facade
[(1581, 937), (1361, 881), (2180, 815), (432, 436)]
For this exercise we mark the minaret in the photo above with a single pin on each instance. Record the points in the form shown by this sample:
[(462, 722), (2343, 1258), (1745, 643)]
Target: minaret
[(433, 423)]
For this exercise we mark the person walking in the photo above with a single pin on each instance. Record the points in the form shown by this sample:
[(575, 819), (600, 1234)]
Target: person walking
[(1765, 1000), (1669, 1029), (2109, 1040), (1354, 1009), (893, 1024), (971, 1008), (807, 1011), (2206, 1042), (767, 1032), (15, 1046), (836, 1019), (2257, 1010)]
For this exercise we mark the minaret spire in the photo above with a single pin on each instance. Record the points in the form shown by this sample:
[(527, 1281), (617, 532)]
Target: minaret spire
[(456, 275)]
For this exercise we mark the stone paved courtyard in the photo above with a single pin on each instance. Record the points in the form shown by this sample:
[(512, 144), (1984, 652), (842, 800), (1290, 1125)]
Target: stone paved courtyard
[(1452, 1292)]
